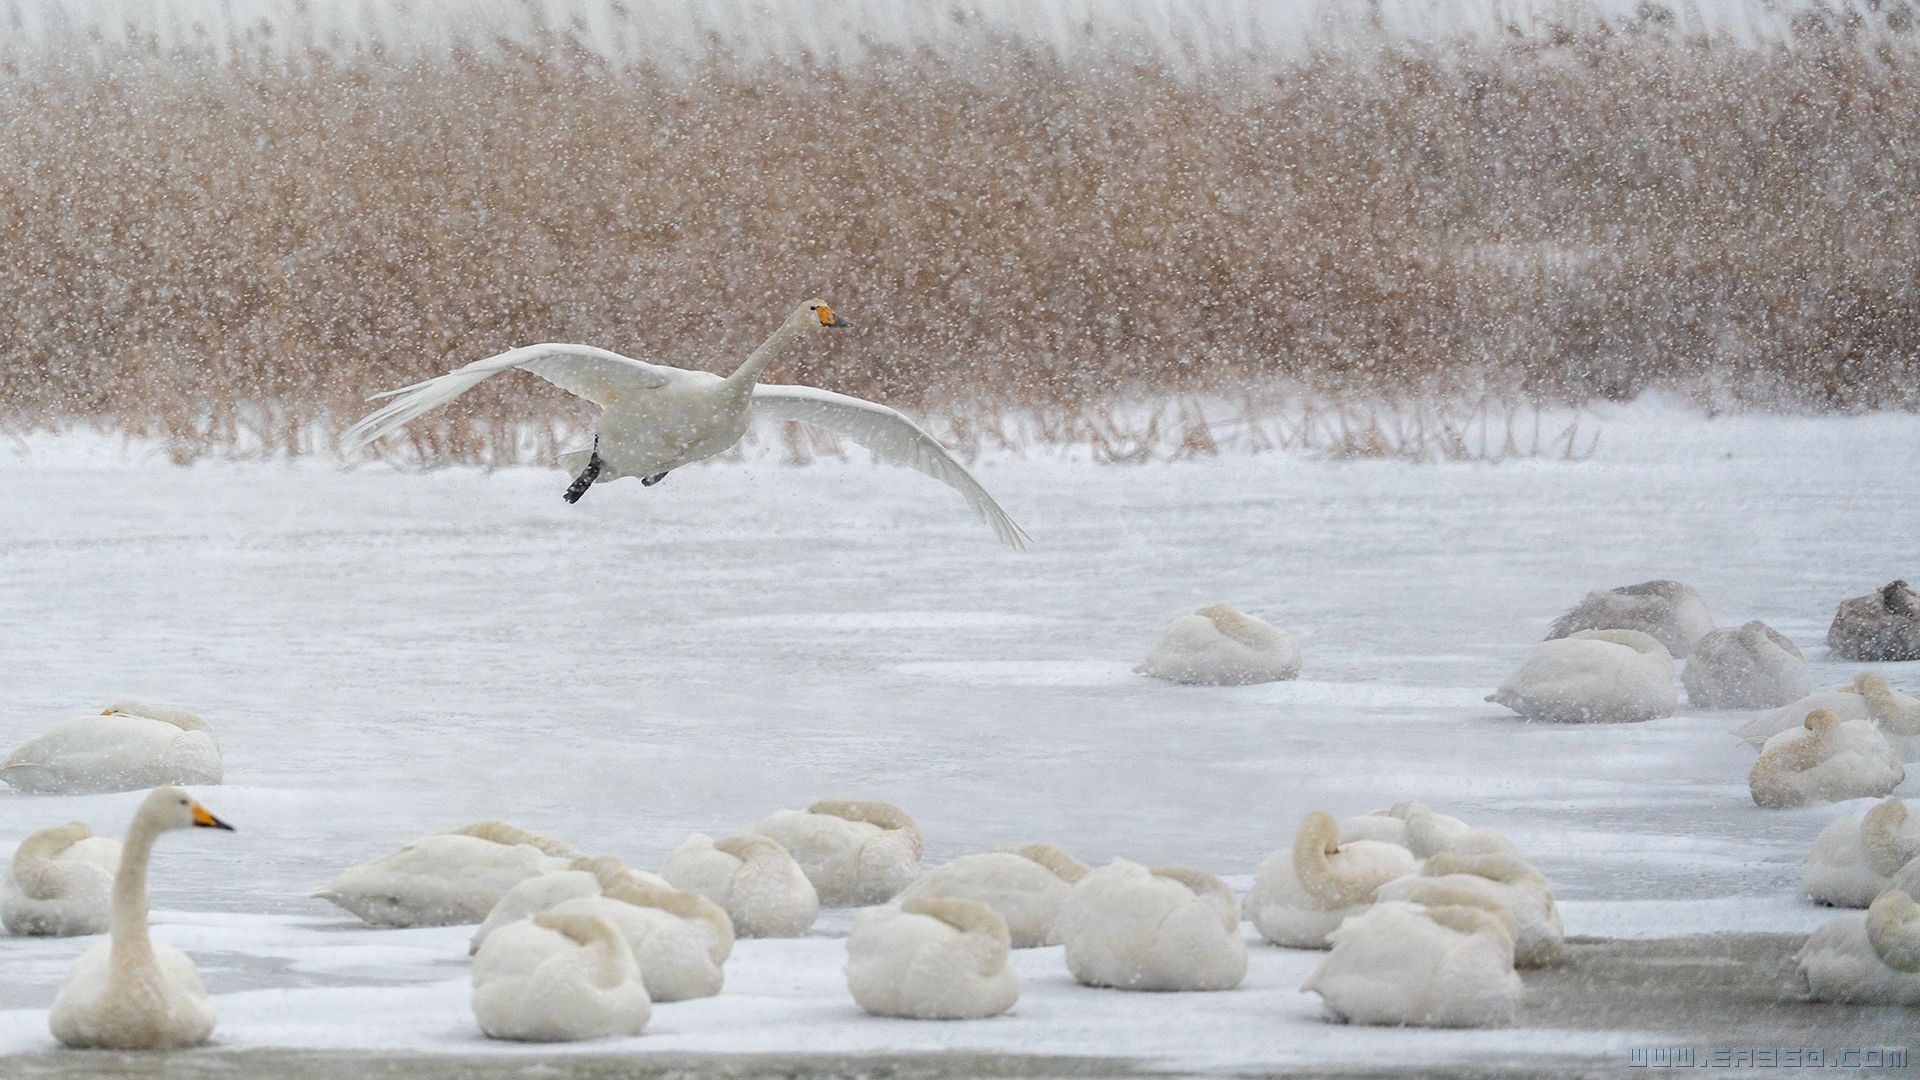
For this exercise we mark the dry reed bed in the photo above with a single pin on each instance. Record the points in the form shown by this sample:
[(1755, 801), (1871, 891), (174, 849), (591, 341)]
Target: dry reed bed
[(236, 251)]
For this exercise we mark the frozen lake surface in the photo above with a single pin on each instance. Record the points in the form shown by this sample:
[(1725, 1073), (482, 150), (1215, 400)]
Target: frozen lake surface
[(387, 654)]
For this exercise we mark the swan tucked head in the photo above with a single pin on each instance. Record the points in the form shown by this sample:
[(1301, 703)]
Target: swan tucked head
[(171, 808), (1822, 722), (816, 314)]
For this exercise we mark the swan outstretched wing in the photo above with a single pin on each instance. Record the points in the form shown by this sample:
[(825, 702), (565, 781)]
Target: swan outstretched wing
[(892, 437), (581, 370)]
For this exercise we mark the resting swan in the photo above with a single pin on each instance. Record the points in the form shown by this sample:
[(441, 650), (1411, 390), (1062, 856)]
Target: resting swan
[(1169, 928), (1026, 887), (762, 888), (1300, 895), (1502, 879), (1896, 714), (129, 746), (127, 993), (854, 851), (1424, 965), (1854, 859), (936, 958), (1675, 615), (1867, 957), (1593, 676), (447, 879), (1825, 761), (1844, 702), (654, 419), (1416, 827), (1218, 646), (1882, 625), (558, 978), (1751, 667), (61, 884), (680, 939)]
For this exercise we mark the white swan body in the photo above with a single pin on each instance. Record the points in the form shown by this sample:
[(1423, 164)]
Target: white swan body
[(128, 993), (1825, 761), (1405, 964), (935, 958), (61, 883), (1673, 614), (680, 939), (855, 852), (1169, 928), (1218, 646), (1748, 667), (1026, 887), (1897, 715), (1882, 625), (1501, 879), (757, 881), (654, 419), (447, 879), (1893, 929), (1855, 858), (1419, 829), (1844, 702), (1593, 676), (127, 747), (1839, 963), (1301, 894), (558, 978)]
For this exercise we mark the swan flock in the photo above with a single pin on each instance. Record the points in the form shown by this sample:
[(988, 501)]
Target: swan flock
[(654, 418)]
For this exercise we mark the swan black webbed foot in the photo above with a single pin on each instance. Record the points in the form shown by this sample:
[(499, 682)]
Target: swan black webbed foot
[(649, 481), (587, 475)]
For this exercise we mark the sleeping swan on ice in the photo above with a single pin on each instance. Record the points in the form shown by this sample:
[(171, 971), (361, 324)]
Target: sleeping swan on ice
[(1882, 625), (1673, 614), (1855, 858), (1751, 667), (680, 939), (558, 978), (855, 851), (61, 884), (447, 879), (1593, 676), (1498, 878), (1026, 887), (1867, 957), (1218, 646), (935, 958), (1169, 928), (128, 993), (1825, 761), (1301, 894), (1897, 715), (127, 747), (1424, 965), (762, 888)]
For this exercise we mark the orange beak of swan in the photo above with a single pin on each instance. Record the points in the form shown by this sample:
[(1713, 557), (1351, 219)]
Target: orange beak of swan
[(204, 820), (828, 318)]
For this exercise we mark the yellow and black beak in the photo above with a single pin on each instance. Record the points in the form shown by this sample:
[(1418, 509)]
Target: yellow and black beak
[(828, 318), (204, 820)]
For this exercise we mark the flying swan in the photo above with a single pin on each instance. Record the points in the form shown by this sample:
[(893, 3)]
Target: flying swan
[(654, 418)]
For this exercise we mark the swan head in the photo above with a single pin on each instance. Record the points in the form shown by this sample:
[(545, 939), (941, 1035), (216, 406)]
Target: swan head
[(172, 808), (816, 314), (1822, 722)]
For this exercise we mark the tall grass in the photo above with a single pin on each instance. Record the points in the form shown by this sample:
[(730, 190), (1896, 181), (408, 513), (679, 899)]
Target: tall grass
[(235, 241)]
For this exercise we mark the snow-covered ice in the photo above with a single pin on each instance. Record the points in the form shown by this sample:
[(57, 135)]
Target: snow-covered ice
[(387, 654)]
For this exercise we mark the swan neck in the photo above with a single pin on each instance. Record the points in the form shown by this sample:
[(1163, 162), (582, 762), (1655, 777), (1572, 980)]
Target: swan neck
[(129, 927), (748, 373)]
